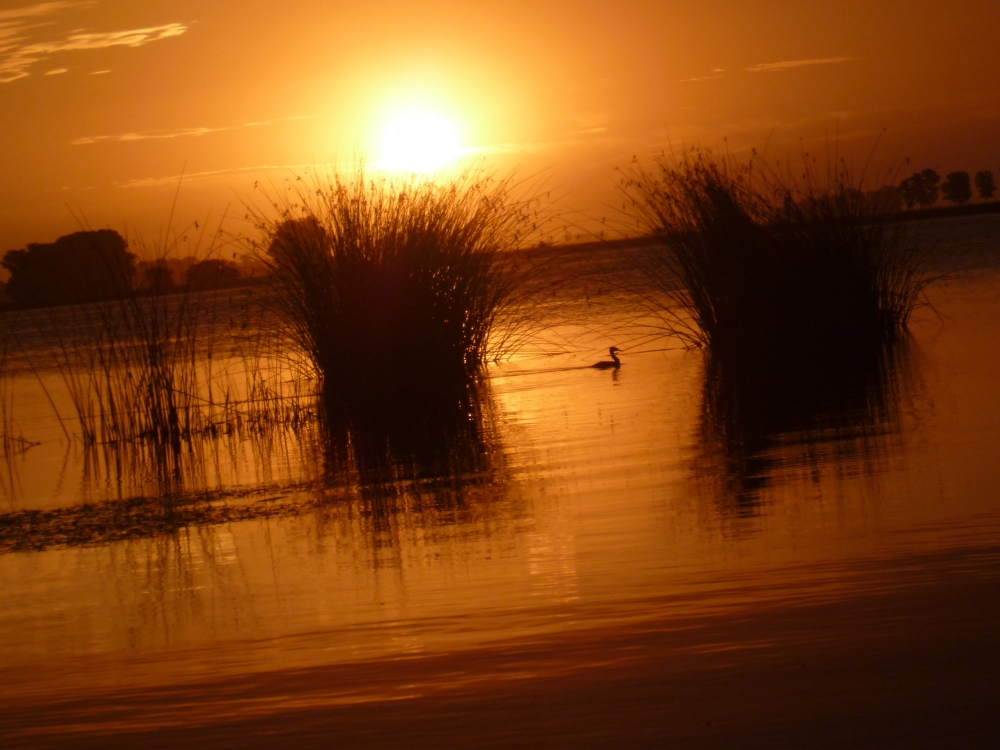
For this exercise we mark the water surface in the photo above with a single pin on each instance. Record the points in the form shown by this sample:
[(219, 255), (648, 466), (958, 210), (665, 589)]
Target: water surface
[(572, 558)]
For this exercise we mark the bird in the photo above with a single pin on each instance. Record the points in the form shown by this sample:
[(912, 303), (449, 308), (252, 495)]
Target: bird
[(614, 364)]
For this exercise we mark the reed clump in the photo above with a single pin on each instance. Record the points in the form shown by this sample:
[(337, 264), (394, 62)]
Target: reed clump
[(404, 280), (160, 365), (752, 264)]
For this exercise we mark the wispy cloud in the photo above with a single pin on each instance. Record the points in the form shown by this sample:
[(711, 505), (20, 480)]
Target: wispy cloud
[(18, 53), (575, 138), (776, 67), (292, 169), (510, 147), (147, 135), (714, 75), (41, 9), (700, 78), (590, 131)]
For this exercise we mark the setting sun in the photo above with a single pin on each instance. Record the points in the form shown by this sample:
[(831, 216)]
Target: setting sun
[(418, 141), (473, 374)]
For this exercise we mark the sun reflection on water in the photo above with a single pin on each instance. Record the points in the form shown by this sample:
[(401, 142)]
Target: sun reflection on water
[(545, 506)]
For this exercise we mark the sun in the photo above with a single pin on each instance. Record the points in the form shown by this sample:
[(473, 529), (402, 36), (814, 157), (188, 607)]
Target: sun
[(419, 141)]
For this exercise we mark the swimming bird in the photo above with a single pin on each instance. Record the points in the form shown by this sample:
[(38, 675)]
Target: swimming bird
[(605, 365)]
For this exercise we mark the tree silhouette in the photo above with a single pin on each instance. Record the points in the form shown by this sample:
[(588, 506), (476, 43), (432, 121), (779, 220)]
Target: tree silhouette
[(931, 180), (957, 188), (212, 274), (80, 267), (985, 184), (912, 189), (158, 280), (888, 199), (920, 189)]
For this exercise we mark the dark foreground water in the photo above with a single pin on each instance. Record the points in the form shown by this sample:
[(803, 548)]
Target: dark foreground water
[(577, 558)]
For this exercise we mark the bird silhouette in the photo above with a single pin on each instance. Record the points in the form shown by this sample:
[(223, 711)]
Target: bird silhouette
[(613, 365)]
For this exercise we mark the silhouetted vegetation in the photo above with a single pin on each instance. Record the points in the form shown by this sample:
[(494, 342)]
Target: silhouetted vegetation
[(78, 268), (157, 280), (212, 273), (136, 359), (921, 189), (755, 268), (394, 456), (398, 280), (985, 184), (95, 266), (887, 199), (957, 188)]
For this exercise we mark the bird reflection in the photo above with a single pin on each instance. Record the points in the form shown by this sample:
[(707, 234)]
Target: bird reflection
[(770, 418)]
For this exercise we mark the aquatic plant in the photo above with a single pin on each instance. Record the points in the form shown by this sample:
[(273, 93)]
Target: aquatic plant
[(145, 365), (748, 262), (403, 280)]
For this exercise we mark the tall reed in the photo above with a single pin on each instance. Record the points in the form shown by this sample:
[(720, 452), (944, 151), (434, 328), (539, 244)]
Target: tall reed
[(145, 364), (750, 262), (398, 279), (129, 363)]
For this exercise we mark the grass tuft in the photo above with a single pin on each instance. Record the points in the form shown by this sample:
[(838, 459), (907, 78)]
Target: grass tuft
[(400, 280), (754, 265)]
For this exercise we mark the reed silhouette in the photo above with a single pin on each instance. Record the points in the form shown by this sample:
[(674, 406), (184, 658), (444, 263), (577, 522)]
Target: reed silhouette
[(751, 266), (385, 281), (141, 363)]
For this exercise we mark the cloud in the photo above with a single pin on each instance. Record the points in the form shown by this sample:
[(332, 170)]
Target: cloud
[(41, 9), (147, 135), (147, 182), (18, 54), (577, 138), (699, 78), (590, 131), (789, 64), (715, 75), (513, 148)]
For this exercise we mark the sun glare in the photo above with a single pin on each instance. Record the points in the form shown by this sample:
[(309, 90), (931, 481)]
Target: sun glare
[(419, 141)]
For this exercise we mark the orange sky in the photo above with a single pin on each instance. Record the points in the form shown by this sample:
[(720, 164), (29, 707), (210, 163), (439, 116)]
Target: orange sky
[(105, 103)]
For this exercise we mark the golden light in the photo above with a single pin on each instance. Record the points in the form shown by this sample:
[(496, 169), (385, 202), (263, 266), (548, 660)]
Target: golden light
[(419, 141)]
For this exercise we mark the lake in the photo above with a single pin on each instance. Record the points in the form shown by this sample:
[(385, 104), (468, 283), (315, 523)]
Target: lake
[(568, 557)]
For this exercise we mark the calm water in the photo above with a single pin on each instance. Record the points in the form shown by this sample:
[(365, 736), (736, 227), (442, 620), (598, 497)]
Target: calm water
[(573, 558)]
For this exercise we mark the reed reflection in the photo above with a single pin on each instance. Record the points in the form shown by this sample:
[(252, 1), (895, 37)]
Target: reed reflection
[(436, 430), (768, 420), (412, 481), (426, 451), (431, 452)]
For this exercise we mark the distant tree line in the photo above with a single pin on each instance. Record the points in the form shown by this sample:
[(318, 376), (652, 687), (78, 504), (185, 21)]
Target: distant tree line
[(924, 188), (94, 266)]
